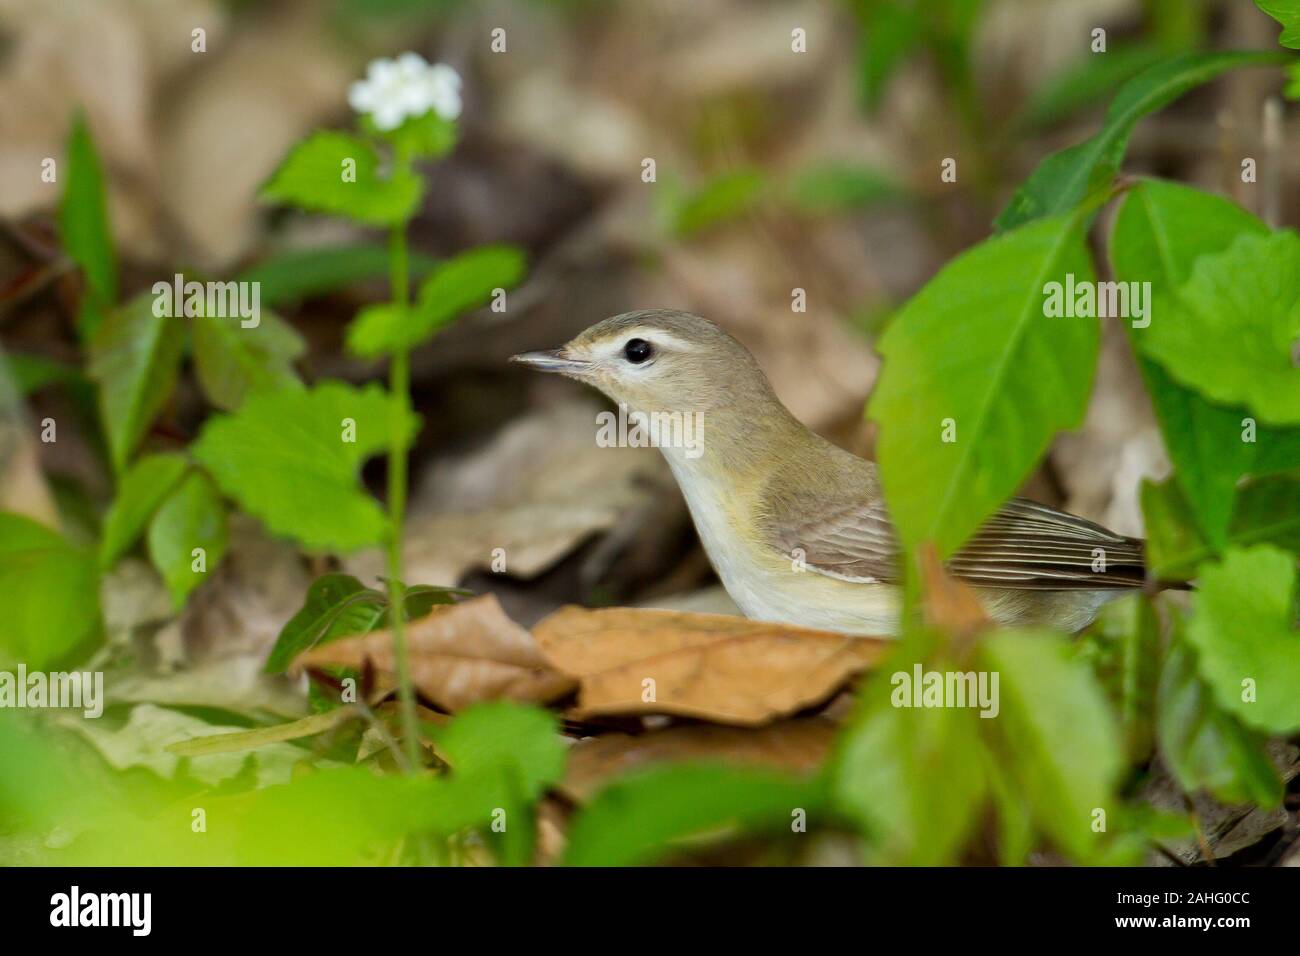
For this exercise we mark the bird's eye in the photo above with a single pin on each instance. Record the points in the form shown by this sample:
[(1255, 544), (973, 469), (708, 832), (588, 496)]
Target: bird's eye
[(638, 351)]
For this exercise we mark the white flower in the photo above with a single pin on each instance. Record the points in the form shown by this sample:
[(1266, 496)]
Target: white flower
[(394, 90)]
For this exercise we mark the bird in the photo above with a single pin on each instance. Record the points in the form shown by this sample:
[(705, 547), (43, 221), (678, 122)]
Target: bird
[(796, 527)]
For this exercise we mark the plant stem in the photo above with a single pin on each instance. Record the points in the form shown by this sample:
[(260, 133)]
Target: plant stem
[(399, 383)]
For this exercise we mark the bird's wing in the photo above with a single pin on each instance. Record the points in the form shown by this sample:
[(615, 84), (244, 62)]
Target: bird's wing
[(1025, 546)]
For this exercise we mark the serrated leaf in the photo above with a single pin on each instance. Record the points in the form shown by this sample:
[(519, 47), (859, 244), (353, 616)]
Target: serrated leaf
[(134, 358), (1205, 747), (974, 347), (233, 361), (336, 606), (1243, 629), (192, 517), (1287, 13), (332, 172), (143, 487), (1267, 512), (51, 594), (83, 218), (287, 459), (1230, 331), (1062, 180), (1056, 738), (1161, 230), (642, 816), (457, 285)]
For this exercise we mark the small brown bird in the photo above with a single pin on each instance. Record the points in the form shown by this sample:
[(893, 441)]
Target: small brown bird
[(797, 528)]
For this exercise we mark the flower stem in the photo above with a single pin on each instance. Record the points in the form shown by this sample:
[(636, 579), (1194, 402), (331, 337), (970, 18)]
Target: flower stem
[(399, 383)]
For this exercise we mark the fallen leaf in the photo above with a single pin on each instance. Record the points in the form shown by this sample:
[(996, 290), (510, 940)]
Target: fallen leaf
[(460, 654), (725, 669), (797, 745), (241, 740)]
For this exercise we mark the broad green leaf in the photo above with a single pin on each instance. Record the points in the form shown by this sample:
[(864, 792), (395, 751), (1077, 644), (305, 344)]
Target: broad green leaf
[(31, 373), (1160, 232), (642, 816), (143, 487), (1243, 629), (1267, 512), (972, 357), (1123, 647), (298, 274), (291, 459), (721, 200), (134, 358), (1087, 81), (192, 518), (83, 218), (1230, 330), (51, 594), (1205, 747), (1063, 179), (427, 136), (914, 779), (463, 282), (500, 736), (233, 361), (1055, 737), (1287, 13), (337, 605), (838, 187), (338, 174)]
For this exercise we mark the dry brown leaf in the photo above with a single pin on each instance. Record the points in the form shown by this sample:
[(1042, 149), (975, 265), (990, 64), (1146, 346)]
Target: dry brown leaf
[(798, 746), (460, 654), (720, 668), (950, 605)]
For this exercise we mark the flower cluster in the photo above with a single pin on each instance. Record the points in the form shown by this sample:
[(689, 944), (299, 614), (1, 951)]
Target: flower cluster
[(409, 86)]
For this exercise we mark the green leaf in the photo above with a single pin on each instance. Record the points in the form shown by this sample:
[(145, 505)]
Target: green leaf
[(1126, 638), (914, 780), (1206, 748), (337, 605), (838, 187), (1086, 82), (191, 518), (889, 32), (1063, 179), (51, 594), (721, 200), (134, 358), (500, 736), (83, 217), (464, 282), (974, 348), (1267, 512), (1244, 632), (338, 174), (1160, 232), (1055, 737), (427, 136), (291, 459), (640, 817), (31, 373), (140, 492), (1287, 13), (233, 361), (302, 273), (1230, 331)]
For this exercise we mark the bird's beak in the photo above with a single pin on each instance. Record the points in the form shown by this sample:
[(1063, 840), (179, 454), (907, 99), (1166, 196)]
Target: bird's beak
[(552, 360)]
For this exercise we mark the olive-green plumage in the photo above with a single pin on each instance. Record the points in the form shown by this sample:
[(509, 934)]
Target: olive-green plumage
[(797, 528)]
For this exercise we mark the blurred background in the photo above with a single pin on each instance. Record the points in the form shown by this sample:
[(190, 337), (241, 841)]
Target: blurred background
[(777, 169)]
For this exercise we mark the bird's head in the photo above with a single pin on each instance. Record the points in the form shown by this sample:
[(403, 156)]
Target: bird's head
[(659, 361)]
